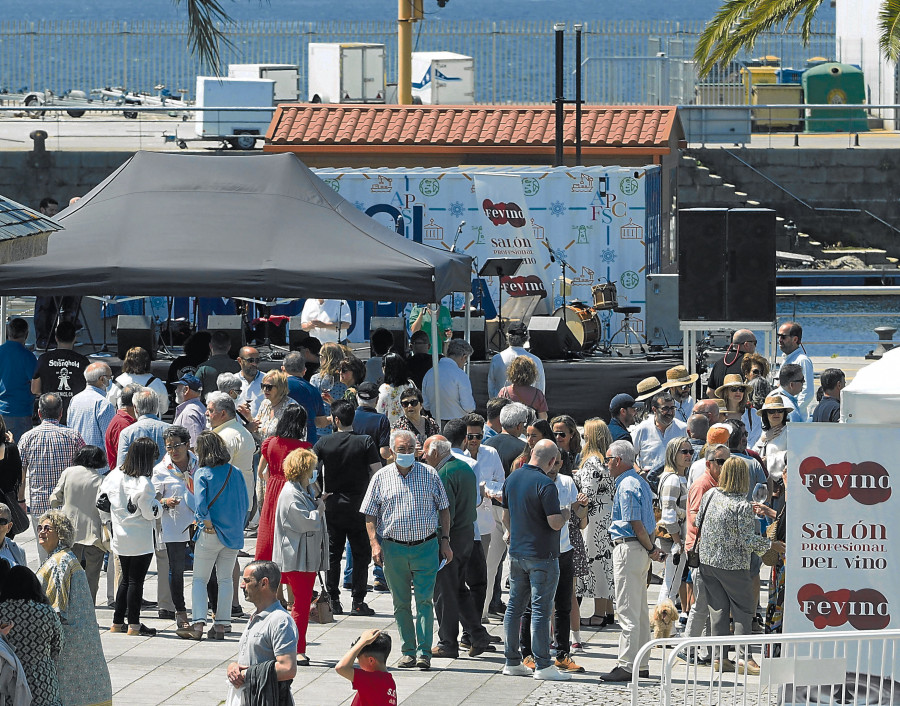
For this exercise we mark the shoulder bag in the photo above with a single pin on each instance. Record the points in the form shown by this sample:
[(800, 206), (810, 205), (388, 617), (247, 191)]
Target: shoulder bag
[(693, 555), (320, 609), (196, 528), (17, 515)]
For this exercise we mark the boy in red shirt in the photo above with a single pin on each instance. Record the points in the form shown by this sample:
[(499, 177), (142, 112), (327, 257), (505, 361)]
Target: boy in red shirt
[(373, 684)]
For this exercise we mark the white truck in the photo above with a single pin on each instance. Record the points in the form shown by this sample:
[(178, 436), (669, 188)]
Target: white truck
[(443, 78), (285, 76), (347, 72)]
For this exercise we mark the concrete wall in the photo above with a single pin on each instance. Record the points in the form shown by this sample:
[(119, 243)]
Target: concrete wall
[(864, 179), (27, 177)]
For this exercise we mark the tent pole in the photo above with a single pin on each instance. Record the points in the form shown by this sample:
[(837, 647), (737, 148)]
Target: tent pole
[(3, 305), (468, 305), (435, 309)]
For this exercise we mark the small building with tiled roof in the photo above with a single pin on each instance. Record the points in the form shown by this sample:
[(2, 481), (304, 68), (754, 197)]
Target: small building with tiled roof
[(343, 135)]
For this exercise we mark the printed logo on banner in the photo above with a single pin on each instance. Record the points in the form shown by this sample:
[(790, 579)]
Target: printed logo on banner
[(382, 186), (530, 186), (433, 231), (868, 482), (631, 231), (429, 187), (523, 286), (630, 279), (585, 185), (502, 213), (334, 184), (629, 186), (865, 609), (537, 230)]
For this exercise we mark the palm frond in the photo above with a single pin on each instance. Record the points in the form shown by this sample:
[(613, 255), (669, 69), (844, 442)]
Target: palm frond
[(739, 23), (889, 24), (202, 31)]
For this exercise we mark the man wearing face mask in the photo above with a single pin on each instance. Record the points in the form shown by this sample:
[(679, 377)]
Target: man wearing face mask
[(403, 506), (190, 412), (89, 411)]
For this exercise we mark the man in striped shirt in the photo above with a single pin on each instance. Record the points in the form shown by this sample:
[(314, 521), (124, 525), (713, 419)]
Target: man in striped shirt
[(403, 505), (46, 451)]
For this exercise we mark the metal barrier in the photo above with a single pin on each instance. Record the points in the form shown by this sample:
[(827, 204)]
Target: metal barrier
[(638, 62), (802, 666)]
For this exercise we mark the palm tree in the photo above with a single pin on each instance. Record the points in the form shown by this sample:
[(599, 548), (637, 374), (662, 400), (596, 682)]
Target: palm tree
[(202, 31), (739, 23)]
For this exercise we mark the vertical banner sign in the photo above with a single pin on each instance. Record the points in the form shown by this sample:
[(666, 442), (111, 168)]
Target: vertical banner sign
[(603, 221), (842, 570)]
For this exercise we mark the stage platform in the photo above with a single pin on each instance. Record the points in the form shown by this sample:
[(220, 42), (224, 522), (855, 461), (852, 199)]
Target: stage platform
[(582, 388)]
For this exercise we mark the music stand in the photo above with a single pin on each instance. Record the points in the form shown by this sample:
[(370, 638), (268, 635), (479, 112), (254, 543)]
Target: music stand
[(500, 267)]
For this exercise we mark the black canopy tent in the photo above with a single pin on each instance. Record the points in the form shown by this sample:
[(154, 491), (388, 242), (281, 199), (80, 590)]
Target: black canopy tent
[(230, 225)]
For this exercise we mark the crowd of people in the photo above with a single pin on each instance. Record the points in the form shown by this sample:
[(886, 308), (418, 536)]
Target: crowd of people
[(330, 460)]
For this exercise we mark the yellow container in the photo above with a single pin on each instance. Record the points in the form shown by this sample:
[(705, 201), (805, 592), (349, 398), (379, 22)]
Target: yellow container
[(779, 94), (754, 75)]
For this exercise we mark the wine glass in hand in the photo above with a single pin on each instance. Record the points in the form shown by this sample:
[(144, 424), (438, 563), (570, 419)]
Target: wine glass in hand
[(760, 493)]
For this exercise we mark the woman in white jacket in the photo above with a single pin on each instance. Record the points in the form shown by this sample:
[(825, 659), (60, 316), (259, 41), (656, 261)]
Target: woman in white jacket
[(301, 538), (134, 510)]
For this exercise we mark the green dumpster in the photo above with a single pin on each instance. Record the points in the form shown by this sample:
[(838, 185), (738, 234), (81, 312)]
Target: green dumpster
[(835, 84)]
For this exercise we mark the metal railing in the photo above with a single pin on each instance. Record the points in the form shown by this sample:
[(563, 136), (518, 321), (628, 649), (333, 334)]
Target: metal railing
[(851, 661), (626, 62)]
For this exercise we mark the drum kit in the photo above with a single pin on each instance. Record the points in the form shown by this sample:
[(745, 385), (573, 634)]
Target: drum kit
[(583, 320)]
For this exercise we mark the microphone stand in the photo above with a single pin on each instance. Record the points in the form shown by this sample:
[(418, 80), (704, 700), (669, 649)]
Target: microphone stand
[(562, 266)]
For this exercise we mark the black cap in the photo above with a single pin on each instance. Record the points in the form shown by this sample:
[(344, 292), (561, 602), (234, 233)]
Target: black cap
[(367, 391)]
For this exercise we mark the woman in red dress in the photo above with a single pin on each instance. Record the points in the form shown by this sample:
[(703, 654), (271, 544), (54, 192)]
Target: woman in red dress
[(289, 435)]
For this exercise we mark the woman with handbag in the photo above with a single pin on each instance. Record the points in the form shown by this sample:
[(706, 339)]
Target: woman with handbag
[(134, 511), (673, 492), (301, 538), (220, 497), (727, 535)]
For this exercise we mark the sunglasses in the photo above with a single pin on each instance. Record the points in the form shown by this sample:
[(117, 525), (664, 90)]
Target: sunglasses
[(667, 408), (784, 335), (720, 461), (563, 434), (5, 520), (267, 387), (689, 452), (409, 403), (250, 360), (470, 437), (176, 446), (45, 528), (610, 458), (756, 372)]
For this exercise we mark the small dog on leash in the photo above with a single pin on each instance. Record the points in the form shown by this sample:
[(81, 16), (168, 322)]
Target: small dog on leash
[(663, 618)]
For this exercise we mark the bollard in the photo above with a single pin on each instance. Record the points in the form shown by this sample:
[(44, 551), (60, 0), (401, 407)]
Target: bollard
[(39, 137), (885, 342)]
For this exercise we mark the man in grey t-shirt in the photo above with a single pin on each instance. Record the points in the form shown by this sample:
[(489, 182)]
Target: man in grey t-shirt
[(271, 635)]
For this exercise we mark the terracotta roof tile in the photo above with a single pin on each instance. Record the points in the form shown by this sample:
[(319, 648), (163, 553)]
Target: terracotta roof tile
[(468, 126)]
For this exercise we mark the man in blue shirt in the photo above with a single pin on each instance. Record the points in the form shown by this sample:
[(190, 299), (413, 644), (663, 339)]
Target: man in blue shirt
[(368, 421), (792, 382), (621, 416), (305, 395), (17, 366), (631, 532), (533, 518)]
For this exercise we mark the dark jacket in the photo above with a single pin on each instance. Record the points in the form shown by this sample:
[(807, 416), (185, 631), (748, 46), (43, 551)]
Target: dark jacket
[(262, 688)]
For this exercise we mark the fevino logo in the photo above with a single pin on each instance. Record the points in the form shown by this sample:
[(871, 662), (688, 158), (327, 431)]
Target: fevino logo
[(523, 286), (868, 482), (866, 609), (503, 213)]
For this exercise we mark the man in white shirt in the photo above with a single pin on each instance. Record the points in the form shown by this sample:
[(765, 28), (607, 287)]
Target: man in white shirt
[(652, 435), (251, 376), (517, 336), (326, 319), (456, 398), (790, 334)]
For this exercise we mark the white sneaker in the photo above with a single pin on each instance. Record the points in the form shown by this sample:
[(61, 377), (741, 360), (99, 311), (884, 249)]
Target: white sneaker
[(551, 673), (516, 670)]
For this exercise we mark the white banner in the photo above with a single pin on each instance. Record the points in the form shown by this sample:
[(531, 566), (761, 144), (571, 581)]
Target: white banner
[(843, 534)]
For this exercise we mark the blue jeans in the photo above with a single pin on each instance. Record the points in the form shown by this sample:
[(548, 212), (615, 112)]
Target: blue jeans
[(534, 581), (378, 571)]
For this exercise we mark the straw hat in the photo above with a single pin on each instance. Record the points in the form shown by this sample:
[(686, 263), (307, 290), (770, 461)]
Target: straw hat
[(731, 381), (647, 388), (776, 403), (678, 376)]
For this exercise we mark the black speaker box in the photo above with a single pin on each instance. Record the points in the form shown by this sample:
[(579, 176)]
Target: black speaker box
[(550, 337), (134, 331), (750, 257), (392, 324), (478, 338), (702, 234), (231, 324)]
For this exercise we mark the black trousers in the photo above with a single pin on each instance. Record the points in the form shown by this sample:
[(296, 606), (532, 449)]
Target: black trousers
[(176, 553), (562, 610), (347, 526), (131, 589), (454, 602)]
